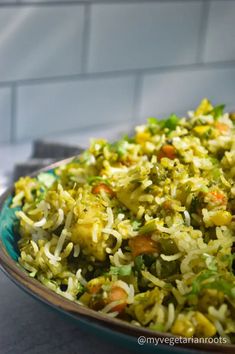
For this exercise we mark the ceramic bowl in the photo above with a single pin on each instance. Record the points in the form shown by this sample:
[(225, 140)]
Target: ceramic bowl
[(132, 337)]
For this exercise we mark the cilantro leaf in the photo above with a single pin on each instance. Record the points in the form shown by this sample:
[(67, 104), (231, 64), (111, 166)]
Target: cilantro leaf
[(210, 279), (123, 271), (93, 179), (120, 147), (223, 286), (46, 178), (198, 281), (153, 125), (217, 111), (229, 259), (86, 158), (210, 262), (171, 122), (136, 225), (152, 121)]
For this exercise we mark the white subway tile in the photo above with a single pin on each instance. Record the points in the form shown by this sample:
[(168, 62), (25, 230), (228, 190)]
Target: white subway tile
[(220, 39), (180, 91), (40, 41), (143, 35), (5, 115), (55, 107)]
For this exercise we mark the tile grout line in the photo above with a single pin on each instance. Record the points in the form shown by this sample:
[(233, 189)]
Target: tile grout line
[(203, 32), (121, 73), (19, 4), (13, 112), (86, 38), (22, 3)]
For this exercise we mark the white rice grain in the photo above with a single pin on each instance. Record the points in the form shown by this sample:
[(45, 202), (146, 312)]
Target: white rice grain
[(171, 316), (54, 259), (171, 258), (95, 233), (110, 218), (187, 218), (40, 223), (76, 250), (81, 279), (59, 220), (60, 243)]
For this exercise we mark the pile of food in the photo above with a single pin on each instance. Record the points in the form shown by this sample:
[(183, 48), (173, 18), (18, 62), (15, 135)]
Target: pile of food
[(142, 229)]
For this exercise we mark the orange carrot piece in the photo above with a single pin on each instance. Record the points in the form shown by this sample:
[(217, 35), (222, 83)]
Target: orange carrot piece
[(118, 294), (142, 244), (168, 151), (222, 127), (102, 187), (218, 197)]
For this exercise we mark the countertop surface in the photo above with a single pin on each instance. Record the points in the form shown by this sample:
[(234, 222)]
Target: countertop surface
[(27, 326)]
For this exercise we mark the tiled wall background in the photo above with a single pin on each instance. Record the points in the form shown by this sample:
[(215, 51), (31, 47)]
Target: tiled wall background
[(71, 65)]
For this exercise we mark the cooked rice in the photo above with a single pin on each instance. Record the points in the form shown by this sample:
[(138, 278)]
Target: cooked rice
[(142, 229)]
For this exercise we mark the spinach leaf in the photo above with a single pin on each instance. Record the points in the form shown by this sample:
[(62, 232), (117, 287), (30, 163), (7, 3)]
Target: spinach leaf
[(139, 263)]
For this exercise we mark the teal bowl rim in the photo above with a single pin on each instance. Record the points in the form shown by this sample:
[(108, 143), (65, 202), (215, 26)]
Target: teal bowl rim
[(97, 320)]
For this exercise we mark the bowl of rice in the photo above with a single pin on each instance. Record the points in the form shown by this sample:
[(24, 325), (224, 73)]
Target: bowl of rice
[(135, 238)]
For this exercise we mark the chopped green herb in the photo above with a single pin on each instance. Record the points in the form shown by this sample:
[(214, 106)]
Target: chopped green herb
[(47, 179), (124, 270), (139, 262), (136, 225), (93, 179), (152, 121), (198, 281), (86, 158), (128, 138), (120, 147), (159, 327), (210, 262), (217, 111), (171, 122), (222, 285), (214, 160), (153, 125), (229, 259), (210, 279)]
